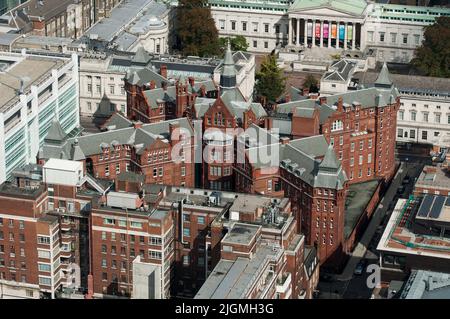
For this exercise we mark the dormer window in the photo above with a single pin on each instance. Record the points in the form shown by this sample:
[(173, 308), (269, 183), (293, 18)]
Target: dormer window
[(337, 125)]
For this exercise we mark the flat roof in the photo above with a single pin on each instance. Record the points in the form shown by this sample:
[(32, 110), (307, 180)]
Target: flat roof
[(121, 18), (434, 177), (401, 239), (9, 189), (359, 195), (8, 38), (232, 279), (249, 203), (159, 214), (241, 234), (423, 284), (31, 68)]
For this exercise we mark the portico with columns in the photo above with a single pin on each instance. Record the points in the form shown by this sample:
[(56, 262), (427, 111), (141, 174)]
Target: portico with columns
[(331, 24)]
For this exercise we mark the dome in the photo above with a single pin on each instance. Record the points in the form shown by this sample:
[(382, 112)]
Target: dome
[(154, 21)]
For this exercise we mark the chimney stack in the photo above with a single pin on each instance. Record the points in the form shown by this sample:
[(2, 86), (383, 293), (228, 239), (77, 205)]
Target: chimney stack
[(340, 105), (191, 81), (284, 140), (174, 132), (163, 71), (322, 100), (152, 84), (137, 124), (305, 91), (164, 85)]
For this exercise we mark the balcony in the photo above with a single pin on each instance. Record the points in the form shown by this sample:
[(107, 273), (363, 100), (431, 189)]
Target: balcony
[(284, 283)]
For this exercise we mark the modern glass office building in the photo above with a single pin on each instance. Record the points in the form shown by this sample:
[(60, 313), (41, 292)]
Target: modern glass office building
[(35, 89)]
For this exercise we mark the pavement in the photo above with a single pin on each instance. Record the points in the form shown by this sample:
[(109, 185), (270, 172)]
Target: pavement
[(347, 285)]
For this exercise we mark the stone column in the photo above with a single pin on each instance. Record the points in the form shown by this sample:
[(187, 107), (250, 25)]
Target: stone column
[(337, 34), (291, 32), (345, 35), (298, 32), (313, 33), (305, 33), (353, 36), (321, 33), (329, 33)]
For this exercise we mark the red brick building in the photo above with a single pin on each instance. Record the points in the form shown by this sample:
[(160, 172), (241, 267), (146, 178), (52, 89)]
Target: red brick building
[(151, 98), (44, 242), (146, 149), (123, 228), (356, 145)]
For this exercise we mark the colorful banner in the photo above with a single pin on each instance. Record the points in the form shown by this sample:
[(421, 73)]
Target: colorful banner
[(325, 30), (317, 30), (341, 31), (333, 31), (349, 32), (310, 29)]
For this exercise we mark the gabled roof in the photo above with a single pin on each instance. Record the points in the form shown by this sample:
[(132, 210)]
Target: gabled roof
[(339, 71), (143, 76), (160, 95), (141, 56), (55, 133), (329, 162), (352, 7), (117, 121), (92, 144), (384, 79)]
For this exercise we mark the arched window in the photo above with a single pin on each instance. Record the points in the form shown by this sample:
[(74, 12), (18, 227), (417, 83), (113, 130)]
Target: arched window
[(218, 118), (337, 125)]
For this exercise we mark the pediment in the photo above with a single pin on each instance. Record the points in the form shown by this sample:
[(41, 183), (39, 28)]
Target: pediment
[(326, 12)]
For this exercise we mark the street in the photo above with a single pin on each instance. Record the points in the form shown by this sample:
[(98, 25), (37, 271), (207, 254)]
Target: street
[(348, 285)]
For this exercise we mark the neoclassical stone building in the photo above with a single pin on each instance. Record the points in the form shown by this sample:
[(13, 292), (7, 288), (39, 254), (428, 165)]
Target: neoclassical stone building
[(394, 31)]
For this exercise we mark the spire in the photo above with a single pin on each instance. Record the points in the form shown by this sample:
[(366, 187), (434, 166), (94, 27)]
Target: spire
[(384, 80), (329, 162), (76, 153), (55, 134), (141, 57), (228, 77)]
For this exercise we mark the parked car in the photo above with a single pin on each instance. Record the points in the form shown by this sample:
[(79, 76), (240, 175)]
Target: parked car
[(401, 190), (360, 267), (326, 277), (406, 180)]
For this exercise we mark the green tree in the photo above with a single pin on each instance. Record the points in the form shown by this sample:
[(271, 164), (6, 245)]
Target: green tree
[(238, 43), (311, 83), (197, 32), (270, 81), (433, 56)]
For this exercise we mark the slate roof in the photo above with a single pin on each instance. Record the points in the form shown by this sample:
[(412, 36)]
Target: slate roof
[(339, 71), (407, 83), (92, 144), (236, 103), (370, 97), (302, 158), (384, 78), (55, 132), (143, 76), (117, 121)]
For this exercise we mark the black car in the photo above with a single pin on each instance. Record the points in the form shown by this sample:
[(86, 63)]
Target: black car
[(401, 190), (406, 180), (326, 278), (360, 267)]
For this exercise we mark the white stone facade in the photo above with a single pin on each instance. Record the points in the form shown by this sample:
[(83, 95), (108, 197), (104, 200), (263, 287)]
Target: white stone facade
[(424, 119), (101, 89), (394, 31)]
